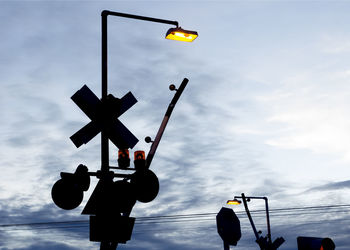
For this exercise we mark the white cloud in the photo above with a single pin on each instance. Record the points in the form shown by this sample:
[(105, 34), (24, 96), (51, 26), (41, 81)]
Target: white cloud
[(313, 118), (336, 44)]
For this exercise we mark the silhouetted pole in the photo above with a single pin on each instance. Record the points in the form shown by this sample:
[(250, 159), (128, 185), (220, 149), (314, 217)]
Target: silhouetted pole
[(245, 199), (104, 82), (108, 246), (267, 219), (249, 216), (104, 138), (226, 246)]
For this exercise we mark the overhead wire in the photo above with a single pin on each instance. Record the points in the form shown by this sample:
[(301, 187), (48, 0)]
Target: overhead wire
[(185, 218)]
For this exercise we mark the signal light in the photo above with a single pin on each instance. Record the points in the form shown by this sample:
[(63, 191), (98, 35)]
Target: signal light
[(82, 177), (67, 193), (123, 158), (139, 155), (139, 160), (314, 243), (146, 185)]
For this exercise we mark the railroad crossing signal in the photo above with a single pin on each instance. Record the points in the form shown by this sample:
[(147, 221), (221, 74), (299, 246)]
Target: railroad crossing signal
[(111, 202), (103, 115)]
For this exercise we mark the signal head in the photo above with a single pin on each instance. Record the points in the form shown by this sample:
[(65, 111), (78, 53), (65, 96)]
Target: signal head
[(123, 158), (146, 185), (66, 194), (139, 160)]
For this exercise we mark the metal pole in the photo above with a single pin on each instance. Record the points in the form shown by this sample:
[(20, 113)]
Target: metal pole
[(268, 220), (104, 92), (104, 83), (104, 138), (226, 246), (249, 216), (108, 246)]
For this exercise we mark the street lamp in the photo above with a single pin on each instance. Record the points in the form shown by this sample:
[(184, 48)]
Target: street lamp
[(264, 243), (177, 33), (173, 34), (233, 202), (246, 199), (180, 34)]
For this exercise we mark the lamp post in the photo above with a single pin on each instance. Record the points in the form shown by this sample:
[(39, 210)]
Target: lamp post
[(174, 34), (246, 199), (264, 243)]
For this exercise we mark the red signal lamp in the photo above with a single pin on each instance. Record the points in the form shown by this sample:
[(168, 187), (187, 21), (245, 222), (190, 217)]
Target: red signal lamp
[(123, 158), (139, 160)]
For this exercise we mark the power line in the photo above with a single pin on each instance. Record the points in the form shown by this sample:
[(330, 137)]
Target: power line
[(43, 223), (195, 217)]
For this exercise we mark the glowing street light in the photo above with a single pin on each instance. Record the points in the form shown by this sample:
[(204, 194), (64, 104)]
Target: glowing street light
[(180, 34), (233, 202)]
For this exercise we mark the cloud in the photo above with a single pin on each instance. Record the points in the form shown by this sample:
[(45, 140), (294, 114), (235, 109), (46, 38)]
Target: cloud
[(48, 245), (331, 186), (335, 43)]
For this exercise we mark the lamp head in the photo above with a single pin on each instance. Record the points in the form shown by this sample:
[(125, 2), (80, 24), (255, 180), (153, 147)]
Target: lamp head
[(180, 34), (233, 202)]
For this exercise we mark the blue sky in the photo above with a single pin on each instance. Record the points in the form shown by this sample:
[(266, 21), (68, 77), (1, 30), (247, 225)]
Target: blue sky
[(265, 113)]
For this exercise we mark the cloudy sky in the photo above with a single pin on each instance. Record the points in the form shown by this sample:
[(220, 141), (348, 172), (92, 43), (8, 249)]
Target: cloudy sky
[(265, 113)]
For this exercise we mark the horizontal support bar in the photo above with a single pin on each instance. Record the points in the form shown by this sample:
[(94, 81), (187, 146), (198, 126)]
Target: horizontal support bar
[(251, 197), (98, 175), (122, 168), (143, 18)]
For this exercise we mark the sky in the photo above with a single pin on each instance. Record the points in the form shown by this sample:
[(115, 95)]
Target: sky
[(265, 113)]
